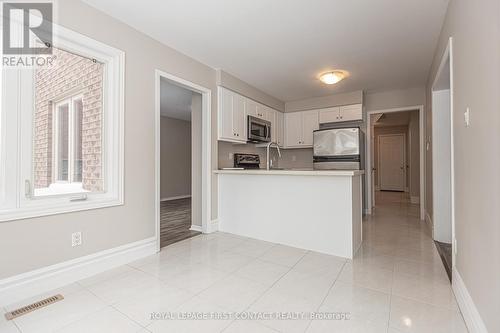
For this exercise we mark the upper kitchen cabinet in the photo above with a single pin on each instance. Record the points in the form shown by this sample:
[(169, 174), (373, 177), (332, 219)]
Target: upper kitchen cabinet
[(276, 119), (299, 127), (341, 113), (258, 110), (279, 127), (232, 116)]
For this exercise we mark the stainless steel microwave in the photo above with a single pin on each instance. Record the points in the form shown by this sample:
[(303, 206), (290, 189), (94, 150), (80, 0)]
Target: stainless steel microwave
[(259, 130)]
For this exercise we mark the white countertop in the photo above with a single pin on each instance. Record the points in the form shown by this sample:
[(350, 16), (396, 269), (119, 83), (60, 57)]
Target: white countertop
[(292, 172)]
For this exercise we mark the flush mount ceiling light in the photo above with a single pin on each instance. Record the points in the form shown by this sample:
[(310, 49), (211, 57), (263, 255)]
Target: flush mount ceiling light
[(332, 77)]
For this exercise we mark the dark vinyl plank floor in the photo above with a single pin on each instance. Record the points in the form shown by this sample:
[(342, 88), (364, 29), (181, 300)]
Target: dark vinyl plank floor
[(175, 221), (444, 250)]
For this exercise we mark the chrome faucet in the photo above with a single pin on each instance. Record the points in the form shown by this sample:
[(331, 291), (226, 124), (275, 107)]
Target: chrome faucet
[(268, 160)]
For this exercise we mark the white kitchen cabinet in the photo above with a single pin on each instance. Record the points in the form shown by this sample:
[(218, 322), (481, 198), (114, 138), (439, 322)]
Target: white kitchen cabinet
[(351, 112), (299, 127), (251, 107), (329, 115), (280, 126), (341, 113), (276, 119), (310, 123), (258, 110), (231, 115)]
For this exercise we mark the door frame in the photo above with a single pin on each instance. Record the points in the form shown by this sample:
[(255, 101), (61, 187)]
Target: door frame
[(370, 197), (448, 56), (404, 159), (206, 186)]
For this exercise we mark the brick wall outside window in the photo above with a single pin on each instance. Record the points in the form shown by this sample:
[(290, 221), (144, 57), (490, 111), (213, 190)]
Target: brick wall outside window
[(71, 75)]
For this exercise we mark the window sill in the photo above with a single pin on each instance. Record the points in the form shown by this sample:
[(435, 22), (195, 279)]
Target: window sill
[(59, 189), (61, 207)]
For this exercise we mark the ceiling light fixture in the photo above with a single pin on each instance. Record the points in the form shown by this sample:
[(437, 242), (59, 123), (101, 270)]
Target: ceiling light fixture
[(332, 77)]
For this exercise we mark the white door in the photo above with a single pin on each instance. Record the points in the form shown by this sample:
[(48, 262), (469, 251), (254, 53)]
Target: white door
[(293, 129), (391, 157), (310, 123)]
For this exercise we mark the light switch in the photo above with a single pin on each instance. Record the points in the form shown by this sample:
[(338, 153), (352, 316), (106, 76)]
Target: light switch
[(467, 117)]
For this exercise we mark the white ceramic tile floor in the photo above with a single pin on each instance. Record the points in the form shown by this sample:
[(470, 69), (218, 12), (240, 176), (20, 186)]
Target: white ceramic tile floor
[(396, 283)]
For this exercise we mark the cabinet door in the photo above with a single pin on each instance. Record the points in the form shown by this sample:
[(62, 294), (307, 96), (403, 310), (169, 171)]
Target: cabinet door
[(273, 118), (225, 114), (263, 112), (279, 128), (239, 132), (251, 107), (293, 129), (310, 123), (329, 115), (351, 112)]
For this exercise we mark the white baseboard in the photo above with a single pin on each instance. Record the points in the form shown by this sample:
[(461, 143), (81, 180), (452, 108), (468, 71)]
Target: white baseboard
[(176, 198), (196, 228), (414, 199), (470, 313), (213, 226), (29, 284)]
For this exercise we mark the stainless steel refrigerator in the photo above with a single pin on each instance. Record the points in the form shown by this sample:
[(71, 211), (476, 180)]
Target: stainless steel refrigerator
[(338, 149)]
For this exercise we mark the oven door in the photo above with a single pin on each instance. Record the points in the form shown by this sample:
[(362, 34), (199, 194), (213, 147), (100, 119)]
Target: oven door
[(259, 130)]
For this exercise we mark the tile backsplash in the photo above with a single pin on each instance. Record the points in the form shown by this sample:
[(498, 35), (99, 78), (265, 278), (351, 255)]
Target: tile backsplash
[(290, 158)]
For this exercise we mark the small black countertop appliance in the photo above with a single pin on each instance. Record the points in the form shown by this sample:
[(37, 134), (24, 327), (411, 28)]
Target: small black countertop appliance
[(246, 161)]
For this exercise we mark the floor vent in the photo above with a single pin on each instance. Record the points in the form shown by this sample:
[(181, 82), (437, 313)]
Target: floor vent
[(32, 307)]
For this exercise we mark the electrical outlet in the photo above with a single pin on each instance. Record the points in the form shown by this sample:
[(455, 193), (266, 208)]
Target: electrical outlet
[(230, 156), (294, 158), (76, 238)]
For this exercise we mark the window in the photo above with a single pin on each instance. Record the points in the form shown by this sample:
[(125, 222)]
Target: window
[(61, 146)]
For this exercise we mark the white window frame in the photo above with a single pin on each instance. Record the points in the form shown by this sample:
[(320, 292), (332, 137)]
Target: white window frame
[(70, 101), (16, 136)]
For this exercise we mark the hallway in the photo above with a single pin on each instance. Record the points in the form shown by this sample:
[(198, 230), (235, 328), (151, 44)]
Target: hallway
[(398, 254)]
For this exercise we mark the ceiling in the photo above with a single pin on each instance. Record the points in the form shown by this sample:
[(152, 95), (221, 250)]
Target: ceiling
[(281, 46), (175, 101)]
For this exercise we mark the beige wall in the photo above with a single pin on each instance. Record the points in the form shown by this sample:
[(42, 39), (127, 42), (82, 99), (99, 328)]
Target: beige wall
[(475, 28), (390, 99), (355, 97), (233, 83), (175, 159), (414, 155), (39, 242)]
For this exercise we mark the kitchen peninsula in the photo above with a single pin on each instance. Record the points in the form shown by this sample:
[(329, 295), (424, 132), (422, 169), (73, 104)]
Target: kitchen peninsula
[(309, 209)]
